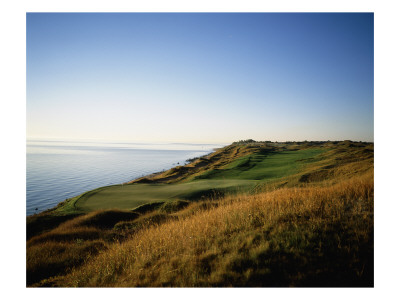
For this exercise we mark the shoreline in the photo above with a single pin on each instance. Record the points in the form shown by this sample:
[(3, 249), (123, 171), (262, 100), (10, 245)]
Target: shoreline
[(142, 177)]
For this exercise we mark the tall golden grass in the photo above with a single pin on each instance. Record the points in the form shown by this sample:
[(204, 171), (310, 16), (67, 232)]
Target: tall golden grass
[(301, 236)]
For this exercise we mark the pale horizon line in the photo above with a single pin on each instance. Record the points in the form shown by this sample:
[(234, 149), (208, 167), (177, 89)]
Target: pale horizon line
[(105, 140)]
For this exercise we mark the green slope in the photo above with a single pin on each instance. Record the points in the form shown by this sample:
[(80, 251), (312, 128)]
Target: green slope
[(263, 165)]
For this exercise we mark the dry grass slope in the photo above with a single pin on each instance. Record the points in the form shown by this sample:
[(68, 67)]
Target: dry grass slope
[(317, 236)]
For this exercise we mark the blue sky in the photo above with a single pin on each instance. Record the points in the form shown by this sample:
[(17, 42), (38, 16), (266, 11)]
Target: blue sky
[(200, 77)]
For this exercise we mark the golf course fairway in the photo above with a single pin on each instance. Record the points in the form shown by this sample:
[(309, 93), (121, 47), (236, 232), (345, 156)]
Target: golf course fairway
[(233, 175)]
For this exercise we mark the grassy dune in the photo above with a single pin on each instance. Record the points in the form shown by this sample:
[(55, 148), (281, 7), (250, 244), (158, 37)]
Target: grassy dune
[(291, 237), (307, 222)]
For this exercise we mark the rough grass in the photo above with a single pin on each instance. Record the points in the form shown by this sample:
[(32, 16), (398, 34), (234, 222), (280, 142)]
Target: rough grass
[(317, 236), (71, 243)]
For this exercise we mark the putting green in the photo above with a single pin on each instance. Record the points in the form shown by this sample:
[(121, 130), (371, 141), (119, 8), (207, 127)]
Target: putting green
[(131, 196)]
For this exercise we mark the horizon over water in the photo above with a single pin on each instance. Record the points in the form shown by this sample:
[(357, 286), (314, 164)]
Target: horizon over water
[(59, 169)]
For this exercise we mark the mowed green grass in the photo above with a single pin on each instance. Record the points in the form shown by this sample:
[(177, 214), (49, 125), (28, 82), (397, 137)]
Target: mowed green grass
[(264, 165), (241, 175), (131, 196)]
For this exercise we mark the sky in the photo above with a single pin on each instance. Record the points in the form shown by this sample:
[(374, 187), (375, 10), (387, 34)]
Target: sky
[(200, 78)]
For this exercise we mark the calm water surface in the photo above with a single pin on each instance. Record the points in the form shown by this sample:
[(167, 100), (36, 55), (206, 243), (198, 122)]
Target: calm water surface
[(58, 170)]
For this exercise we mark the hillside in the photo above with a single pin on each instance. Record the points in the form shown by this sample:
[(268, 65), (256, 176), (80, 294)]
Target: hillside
[(249, 214)]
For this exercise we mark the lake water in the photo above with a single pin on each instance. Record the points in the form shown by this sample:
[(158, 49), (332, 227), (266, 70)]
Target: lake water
[(58, 170)]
